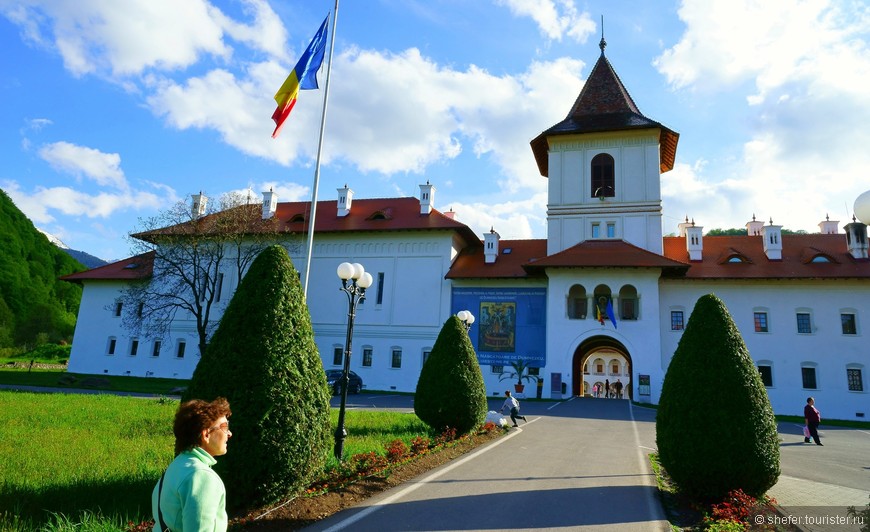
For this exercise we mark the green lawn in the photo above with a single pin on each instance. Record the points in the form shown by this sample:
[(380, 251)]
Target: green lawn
[(94, 459), (57, 378)]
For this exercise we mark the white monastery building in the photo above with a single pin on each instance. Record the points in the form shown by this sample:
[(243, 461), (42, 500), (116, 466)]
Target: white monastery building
[(604, 298)]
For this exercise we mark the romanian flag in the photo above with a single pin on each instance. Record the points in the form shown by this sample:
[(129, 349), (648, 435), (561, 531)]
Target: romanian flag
[(303, 76), (610, 315), (598, 315)]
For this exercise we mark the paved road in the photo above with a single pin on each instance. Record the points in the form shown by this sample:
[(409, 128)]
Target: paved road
[(578, 465), (574, 463)]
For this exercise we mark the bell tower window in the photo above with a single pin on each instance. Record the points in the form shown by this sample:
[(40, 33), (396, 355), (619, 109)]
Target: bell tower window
[(603, 184)]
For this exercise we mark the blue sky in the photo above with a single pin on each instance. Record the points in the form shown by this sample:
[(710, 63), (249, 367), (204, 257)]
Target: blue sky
[(113, 111)]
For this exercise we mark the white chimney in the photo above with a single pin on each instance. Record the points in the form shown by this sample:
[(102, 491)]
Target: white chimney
[(681, 227), (490, 246), (695, 241), (345, 198), (427, 198), (828, 227), (198, 208), (772, 235), (753, 228), (856, 239), (270, 204), (450, 214)]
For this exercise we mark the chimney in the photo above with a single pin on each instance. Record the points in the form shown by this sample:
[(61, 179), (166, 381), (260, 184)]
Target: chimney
[(772, 235), (695, 241), (450, 214), (753, 228), (345, 198), (198, 208), (427, 198), (827, 227), (490, 246), (270, 204), (856, 239), (681, 227)]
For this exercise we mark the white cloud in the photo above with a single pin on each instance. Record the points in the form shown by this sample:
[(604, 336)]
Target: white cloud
[(555, 19), (103, 168), (805, 151), (512, 220)]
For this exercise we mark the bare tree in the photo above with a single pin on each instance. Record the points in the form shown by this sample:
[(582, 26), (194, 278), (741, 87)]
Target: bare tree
[(190, 250)]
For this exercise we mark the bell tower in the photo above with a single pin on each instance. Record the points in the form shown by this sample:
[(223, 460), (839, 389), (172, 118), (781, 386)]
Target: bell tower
[(604, 163)]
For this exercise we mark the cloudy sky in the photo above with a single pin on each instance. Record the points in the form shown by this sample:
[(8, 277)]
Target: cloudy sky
[(112, 111)]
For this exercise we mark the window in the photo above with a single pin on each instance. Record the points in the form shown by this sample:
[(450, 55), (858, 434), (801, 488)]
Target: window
[(628, 302), (118, 306), (497, 369), (367, 357), (602, 176), (134, 347), (112, 343), (140, 309), (337, 355), (577, 304), (599, 369), (426, 353), (596, 230), (396, 361), (853, 377), (766, 373), (809, 378), (677, 323), (179, 353), (803, 323), (760, 319), (848, 322), (156, 351), (220, 286), (611, 230), (380, 298), (615, 369)]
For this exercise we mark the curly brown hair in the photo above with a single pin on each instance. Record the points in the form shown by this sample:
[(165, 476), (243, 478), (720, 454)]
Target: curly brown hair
[(195, 416)]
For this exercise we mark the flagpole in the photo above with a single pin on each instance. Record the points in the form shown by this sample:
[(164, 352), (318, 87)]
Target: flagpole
[(319, 151)]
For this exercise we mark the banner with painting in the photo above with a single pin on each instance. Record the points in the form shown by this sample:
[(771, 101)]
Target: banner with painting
[(510, 323)]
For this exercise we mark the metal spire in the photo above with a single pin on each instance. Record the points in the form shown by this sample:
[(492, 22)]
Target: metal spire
[(603, 43)]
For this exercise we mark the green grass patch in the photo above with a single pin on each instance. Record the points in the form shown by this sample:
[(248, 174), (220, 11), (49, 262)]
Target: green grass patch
[(90, 462), (57, 378)]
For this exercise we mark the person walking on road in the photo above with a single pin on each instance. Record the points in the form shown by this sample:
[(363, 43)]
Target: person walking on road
[(812, 418), (618, 389), (607, 388), (510, 403)]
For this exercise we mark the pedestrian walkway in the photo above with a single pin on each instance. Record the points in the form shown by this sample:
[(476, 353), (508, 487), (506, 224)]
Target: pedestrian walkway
[(576, 465)]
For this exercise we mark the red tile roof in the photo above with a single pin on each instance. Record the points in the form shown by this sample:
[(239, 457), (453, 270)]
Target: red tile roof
[(380, 214), (604, 104), (137, 267), (798, 251), (603, 253), (512, 256)]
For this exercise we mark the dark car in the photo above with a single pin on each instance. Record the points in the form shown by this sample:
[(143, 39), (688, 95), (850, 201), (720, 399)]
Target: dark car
[(333, 378)]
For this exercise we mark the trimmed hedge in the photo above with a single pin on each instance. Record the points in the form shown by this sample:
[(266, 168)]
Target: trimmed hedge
[(450, 391), (715, 428), (263, 359)]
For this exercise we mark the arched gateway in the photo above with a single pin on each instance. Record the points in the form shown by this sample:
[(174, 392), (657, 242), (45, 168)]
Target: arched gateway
[(601, 359)]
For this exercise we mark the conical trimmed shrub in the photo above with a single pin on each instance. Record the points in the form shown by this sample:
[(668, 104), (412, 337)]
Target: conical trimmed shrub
[(715, 428), (450, 391), (263, 359)]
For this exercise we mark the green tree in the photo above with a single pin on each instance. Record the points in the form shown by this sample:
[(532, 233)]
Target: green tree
[(450, 390), (263, 359), (715, 428)]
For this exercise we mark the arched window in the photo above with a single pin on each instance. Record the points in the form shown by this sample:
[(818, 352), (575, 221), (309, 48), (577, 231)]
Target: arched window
[(628, 302), (577, 306), (600, 300), (603, 184)]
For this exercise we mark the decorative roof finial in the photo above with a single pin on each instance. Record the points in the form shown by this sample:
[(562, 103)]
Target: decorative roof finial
[(603, 43)]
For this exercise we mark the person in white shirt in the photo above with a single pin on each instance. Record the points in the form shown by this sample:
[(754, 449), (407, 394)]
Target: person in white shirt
[(510, 403)]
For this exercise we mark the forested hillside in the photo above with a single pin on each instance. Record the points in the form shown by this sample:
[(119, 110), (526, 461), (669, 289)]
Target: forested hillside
[(35, 306)]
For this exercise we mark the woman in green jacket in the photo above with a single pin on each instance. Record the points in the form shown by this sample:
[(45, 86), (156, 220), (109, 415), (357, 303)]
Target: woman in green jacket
[(190, 496)]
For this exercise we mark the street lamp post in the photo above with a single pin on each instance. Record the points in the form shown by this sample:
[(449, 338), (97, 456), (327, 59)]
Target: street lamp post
[(354, 281), (467, 318)]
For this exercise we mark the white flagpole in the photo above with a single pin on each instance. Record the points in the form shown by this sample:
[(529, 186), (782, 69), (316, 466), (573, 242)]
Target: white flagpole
[(319, 151)]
